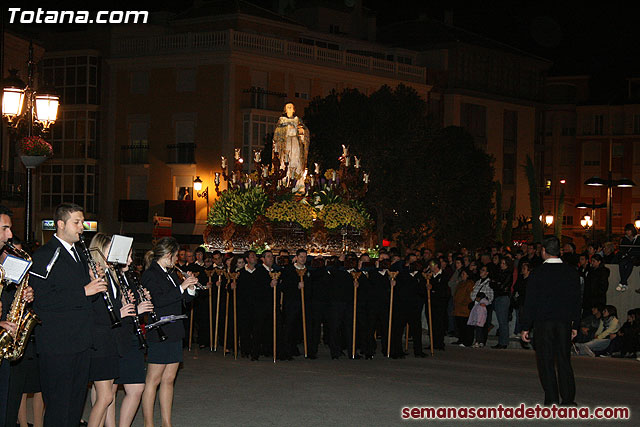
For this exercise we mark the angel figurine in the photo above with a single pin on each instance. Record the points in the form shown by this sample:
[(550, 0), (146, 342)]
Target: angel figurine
[(291, 141)]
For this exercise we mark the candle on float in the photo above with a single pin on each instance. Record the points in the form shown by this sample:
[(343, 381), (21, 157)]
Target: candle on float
[(357, 164), (306, 172), (265, 171), (217, 178), (333, 176), (347, 161), (256, 156), (233, 178), (317, 168), (237, 154), (286, 157), (345, 151), (224, 163), (366, 178)]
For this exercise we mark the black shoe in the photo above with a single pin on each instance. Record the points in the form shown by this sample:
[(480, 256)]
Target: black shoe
[(421, 355), (83, 423), (357, 356), (574, 404), (202, 346), (254, 358), (398, 356), (368, 357), (456, 343), (499, 347), (335, 357), (524, 345), (312, 357)]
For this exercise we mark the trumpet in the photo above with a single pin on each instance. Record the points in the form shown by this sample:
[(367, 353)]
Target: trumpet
[(113, 317)]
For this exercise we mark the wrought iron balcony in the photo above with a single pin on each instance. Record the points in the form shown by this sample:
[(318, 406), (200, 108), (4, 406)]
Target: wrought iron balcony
[(181, 153), (135, 155)]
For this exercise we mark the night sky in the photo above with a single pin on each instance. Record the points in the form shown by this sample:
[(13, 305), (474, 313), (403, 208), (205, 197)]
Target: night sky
[(601, 41)]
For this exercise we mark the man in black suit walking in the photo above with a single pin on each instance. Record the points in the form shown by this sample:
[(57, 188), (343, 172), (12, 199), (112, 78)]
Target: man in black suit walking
[(552, 307), (62, 304)]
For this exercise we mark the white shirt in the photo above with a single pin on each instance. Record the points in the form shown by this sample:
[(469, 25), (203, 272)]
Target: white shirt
[(246, 267), (553, 261), (68, 247), (269, 269), (190, 291)]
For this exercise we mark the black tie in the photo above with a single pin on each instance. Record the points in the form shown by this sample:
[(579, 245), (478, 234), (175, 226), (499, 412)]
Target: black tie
[(75, 254)]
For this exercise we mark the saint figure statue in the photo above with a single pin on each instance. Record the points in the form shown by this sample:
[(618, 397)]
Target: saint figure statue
[(291, 142)]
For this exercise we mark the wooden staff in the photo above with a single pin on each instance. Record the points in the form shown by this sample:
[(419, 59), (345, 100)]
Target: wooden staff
[(356, 276), (220, 272), (406, 338), (427, 277), (301, 273), (392, 276), (234, 278), (209, 273), (191, 325), (274, 276), (226, 321), (182, 276)]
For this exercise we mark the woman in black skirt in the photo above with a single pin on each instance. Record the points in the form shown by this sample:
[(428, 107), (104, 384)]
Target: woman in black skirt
[(131, 367), (104, 366), (168, 294)]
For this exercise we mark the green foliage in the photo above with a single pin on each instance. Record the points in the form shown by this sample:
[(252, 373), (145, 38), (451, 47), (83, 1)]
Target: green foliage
[(534, 200), (424, 181), (240, 206), (291, 211), (336, 215), (324, 196), (507, 232)]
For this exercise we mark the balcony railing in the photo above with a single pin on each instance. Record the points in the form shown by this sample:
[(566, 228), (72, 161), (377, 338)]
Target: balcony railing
[(12, 186), (181, 153), (231, 40), (135, 155)]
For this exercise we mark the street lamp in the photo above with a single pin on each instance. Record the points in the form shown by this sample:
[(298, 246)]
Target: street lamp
[(591, 218), (548, 219), (197, 186), (636, 223), (586, 222), (595, 181), (23, 106)]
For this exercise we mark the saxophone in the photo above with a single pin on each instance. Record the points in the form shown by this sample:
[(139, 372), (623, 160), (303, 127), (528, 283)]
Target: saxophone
[(12, 348)]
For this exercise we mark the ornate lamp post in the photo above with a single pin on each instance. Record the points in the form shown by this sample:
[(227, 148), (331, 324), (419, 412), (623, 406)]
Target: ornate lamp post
[(23, 106)]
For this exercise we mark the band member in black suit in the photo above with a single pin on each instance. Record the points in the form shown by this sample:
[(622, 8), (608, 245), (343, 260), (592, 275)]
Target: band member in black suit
[(61, 301), (411, 294), (201, 301), (552, 307), (341, 320), (131, 372), (168, 294), (109, 344)]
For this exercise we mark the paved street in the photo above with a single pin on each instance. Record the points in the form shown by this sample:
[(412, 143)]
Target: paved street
[(212, 390)]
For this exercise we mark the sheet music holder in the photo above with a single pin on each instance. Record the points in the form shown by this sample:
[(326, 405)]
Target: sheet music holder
[(15, 268), (166, 319), (50, 265), (119, 249)]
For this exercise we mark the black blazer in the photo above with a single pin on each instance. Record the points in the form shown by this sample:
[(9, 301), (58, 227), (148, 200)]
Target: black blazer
[(60, 301), (166, 298), (107, 341), (553, 293)]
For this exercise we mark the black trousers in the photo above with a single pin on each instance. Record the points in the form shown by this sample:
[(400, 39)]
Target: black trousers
[(320, 314), (292, 314), (340, 327), (440, 320), (261, 330), (201, 313), (465, 332), (552, 341), (4, 390), (64, 379), (377, 320), (401, 317)]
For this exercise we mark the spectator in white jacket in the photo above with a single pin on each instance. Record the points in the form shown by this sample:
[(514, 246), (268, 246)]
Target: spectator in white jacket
[(606, 331)]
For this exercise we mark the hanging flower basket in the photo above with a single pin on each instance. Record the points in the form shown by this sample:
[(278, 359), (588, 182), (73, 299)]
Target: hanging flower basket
[(34, 146)]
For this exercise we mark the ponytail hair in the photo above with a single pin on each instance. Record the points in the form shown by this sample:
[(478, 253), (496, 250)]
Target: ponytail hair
[(166, 245)]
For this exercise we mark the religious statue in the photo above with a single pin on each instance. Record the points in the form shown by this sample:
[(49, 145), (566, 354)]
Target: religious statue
[(291, 142)]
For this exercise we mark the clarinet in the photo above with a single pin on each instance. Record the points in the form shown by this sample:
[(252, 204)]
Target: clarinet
[(124, 285), (113, 317), (152, 315)]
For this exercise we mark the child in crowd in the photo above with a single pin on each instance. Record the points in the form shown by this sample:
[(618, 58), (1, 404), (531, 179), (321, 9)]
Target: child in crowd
[(478, 317)]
